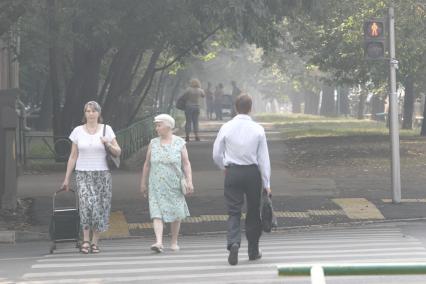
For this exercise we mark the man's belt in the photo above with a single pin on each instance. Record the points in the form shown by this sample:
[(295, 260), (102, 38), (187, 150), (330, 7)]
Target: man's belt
[(239, 166)]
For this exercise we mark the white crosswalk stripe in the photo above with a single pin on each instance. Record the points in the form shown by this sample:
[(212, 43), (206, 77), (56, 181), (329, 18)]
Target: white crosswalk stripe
[(203, 259)]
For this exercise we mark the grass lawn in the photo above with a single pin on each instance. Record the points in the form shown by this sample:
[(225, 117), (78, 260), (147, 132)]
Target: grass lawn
[(301, 125)]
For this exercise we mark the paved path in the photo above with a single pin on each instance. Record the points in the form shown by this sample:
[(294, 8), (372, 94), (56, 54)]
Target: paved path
[(297, 201), (204, 259)]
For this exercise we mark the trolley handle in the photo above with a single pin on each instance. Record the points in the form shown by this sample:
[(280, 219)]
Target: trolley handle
[(61, 190)]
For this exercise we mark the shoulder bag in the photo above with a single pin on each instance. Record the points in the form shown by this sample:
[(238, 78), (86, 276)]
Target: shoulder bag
[(181, 102), (268, 217), (112, 161)]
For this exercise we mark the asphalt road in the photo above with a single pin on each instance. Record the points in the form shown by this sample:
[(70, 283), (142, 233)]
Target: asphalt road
[(203, 259)]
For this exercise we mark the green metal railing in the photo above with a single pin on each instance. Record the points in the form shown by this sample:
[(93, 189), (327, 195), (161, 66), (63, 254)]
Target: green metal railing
[(131, 139), (317, 272), (135, 136)]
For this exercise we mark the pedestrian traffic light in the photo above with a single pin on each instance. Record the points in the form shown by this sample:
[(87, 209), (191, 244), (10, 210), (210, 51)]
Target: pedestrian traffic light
[(374, 39)]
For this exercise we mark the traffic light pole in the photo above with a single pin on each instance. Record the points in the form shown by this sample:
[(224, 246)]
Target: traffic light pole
[(394, 121)]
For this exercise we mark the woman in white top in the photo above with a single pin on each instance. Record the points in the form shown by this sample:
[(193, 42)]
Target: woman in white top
[(93, 178)]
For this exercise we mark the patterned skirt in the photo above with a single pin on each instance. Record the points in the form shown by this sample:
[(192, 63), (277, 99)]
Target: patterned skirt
[(94, 195)]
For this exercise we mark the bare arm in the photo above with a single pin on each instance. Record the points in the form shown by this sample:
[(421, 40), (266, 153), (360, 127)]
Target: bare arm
[(72, 160), (187, 169), (145, 171), (112, 146)]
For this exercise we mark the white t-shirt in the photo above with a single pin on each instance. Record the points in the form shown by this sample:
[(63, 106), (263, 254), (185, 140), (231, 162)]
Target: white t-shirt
[(91, 150)]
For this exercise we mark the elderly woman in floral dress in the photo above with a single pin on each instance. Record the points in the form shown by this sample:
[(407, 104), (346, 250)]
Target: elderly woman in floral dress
[(166, 164)]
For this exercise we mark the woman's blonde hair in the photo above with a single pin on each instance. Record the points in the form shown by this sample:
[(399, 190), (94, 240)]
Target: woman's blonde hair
[(195, 83), (96, 107)]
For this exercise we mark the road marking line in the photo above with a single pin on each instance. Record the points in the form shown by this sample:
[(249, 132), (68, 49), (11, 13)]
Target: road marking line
[(223, 218), (326, 212), (144, 248), (407, 200), (118, 226), (219, 257), (358, 208), (142, 254)]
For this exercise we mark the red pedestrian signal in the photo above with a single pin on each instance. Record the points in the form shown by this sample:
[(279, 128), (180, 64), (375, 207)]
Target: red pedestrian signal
[(374, 29), (374, 39)]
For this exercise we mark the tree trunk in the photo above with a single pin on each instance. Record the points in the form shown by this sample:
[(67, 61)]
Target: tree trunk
[(174, 92), (61, 149), (327, 104), (44, 121), (407, 122), (116, 106), (344, 101), (83, 86), (144, 84), (377, 106), (423, 129), (361, 104), (296, 102), (311, 103)]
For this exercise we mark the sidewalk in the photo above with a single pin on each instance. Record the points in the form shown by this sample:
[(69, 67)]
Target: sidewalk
[(298, 202)]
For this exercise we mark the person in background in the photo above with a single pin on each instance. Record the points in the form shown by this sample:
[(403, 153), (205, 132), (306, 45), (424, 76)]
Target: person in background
[(235, 93), (241, 150), (21, 110), (193, 97), (166, 163), (218, 101), (209, 101), (93, 178)]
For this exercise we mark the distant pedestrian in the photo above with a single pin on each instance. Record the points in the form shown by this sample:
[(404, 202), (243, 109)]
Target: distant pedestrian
[(235, 93), (166, 164), (241, 150), (193, 96), (21, 110), (218, 101), (209, 101), (93, 178)]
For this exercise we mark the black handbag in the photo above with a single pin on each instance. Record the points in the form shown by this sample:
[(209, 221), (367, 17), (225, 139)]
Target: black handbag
[(269, 220), (112, 161), (181, 102)]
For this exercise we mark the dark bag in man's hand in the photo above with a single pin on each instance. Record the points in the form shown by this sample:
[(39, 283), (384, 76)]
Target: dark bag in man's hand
[(181, 102), (268, 217), (112, 161)]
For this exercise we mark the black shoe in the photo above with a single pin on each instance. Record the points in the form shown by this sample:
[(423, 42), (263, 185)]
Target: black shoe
[(254, 251), (233, 255), (256, 256), (187, 139)]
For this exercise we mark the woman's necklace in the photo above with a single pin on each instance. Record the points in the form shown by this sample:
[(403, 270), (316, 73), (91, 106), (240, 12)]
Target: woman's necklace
[(92, 130)]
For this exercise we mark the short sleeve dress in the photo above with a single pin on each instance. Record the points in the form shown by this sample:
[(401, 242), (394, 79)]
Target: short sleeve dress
[(166, 200)]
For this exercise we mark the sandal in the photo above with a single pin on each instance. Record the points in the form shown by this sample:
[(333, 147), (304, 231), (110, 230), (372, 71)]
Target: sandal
[(94, 248), (175, 248), (157, 248), (85, 249)]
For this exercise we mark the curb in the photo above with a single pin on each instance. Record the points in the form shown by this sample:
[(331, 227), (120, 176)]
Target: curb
[(22, 236), (12, 237)]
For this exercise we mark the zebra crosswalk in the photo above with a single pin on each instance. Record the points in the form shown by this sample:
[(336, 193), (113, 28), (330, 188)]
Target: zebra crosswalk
[(203, 259)]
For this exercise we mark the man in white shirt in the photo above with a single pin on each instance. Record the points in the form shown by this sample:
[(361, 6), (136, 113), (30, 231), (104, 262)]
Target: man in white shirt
[(240, 149)]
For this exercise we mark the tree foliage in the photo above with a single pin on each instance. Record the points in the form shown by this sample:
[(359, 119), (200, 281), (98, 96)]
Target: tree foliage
[(113, 51)]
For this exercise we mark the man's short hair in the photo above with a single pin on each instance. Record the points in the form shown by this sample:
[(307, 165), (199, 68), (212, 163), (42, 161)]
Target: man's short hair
[(243, 104)]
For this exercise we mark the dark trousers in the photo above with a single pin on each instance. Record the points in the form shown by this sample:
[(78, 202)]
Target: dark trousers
[(240, 181), (192, 114), (218, 110)]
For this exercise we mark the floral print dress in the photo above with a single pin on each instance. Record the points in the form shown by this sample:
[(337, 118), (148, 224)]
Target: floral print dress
[(166, 200)]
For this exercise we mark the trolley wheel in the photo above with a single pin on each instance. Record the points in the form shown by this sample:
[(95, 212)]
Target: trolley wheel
[(52, 248)]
